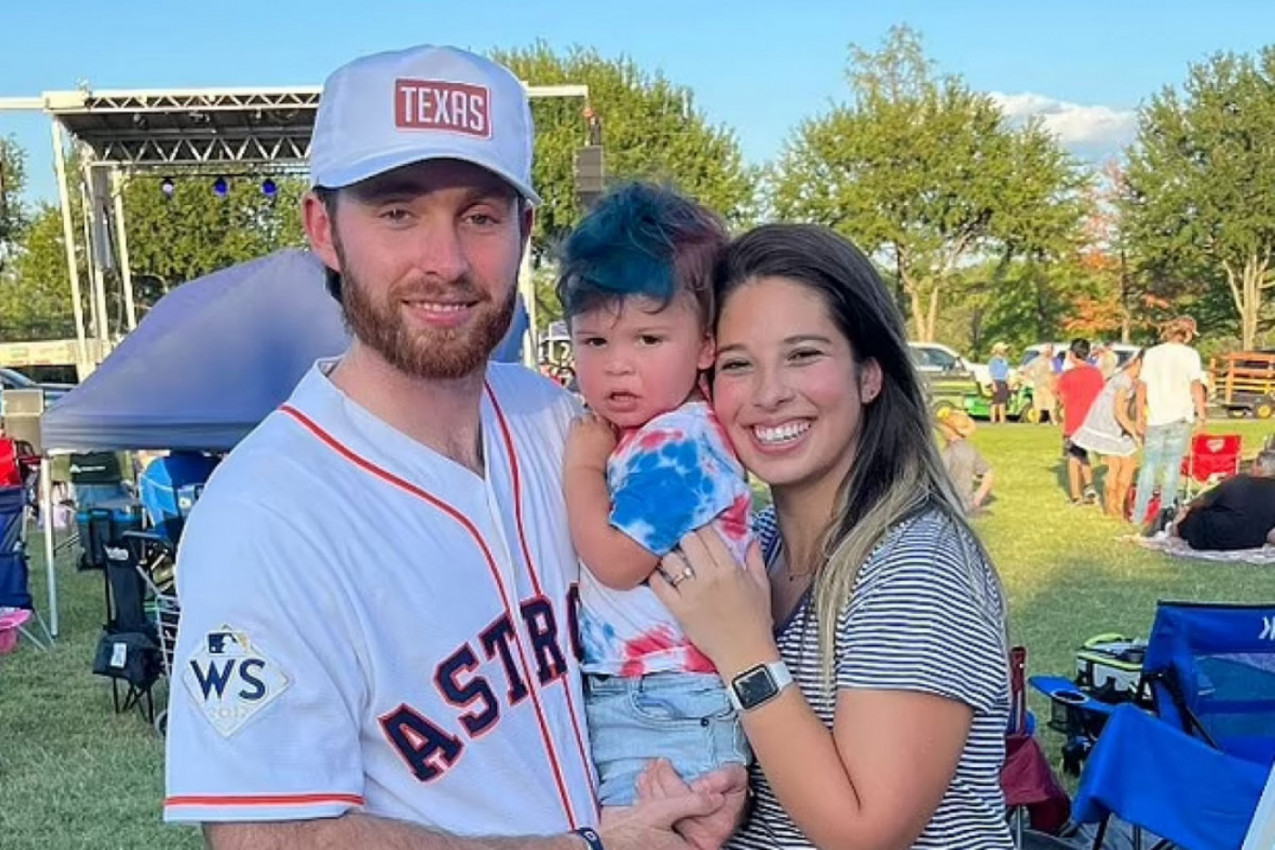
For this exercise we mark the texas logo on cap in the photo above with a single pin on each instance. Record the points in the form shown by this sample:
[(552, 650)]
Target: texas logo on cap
[(441, 105), (393, 109)]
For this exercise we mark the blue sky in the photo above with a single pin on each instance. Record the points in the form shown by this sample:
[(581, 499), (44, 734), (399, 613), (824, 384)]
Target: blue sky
[(758, 67)]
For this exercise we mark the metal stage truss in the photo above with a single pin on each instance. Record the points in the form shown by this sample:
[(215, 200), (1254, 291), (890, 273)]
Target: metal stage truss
[(176, 132)]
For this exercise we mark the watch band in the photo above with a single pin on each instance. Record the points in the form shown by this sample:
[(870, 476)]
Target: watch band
[(590, 837), (779, 676)]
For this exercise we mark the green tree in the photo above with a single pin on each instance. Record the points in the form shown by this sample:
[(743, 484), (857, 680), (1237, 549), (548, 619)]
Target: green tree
[(13, 213), (651, 129), (1198, 206), (193, 232), (35, 293), (927, 176)]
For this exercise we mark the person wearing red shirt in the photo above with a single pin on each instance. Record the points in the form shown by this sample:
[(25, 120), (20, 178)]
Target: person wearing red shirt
[(1078, 387)]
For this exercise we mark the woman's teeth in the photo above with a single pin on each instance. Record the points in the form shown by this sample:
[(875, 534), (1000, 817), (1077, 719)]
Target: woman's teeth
[(785, 433)]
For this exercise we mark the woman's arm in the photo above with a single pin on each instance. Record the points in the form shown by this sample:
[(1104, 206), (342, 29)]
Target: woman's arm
[(876, 780), (1123, 419)]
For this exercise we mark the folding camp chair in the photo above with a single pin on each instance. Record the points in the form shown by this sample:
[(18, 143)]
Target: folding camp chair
[(1212, 458), (169, 488), (15, 572), (154, 559), (1032, 792), (1192, 770), (129, 651)]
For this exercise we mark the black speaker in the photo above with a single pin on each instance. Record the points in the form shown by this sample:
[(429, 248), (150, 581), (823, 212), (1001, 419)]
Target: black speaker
[(590, 174)]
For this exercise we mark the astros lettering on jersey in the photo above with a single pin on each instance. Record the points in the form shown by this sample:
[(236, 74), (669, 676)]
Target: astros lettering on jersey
[(366, 624)]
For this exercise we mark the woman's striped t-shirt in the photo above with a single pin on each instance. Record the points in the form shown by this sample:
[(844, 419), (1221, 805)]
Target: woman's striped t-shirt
[(922, 617)]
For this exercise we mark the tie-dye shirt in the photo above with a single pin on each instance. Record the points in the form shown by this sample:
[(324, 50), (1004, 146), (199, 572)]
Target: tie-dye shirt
[(673, 475)]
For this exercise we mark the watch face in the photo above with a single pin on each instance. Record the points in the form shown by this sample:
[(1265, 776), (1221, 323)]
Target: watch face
[(754, 687)]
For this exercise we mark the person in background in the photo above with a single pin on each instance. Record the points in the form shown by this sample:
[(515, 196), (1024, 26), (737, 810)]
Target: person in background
[(1111, 430), (1170, 404), (1078, 388), (1040, 372), (968, 469), (998, 367), (1239, 513), (1107, 361)]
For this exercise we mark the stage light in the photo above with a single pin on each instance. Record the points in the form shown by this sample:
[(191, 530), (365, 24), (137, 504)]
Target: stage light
[(269, 188), (167, 187), (221, 188)]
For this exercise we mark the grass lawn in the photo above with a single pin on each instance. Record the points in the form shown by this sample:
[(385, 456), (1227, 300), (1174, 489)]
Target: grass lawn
[(73, 774)]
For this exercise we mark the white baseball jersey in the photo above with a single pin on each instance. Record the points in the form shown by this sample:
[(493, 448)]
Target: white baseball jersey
[(367, 625)]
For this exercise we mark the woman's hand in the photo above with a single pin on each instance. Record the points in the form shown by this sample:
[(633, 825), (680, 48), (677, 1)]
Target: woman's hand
[(589, 443), (723, 608)]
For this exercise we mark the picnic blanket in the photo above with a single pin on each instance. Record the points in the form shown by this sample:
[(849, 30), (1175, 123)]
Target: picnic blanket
[(1176, 547)]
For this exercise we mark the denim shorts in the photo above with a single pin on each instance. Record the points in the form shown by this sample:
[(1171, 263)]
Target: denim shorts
[(683, 717)]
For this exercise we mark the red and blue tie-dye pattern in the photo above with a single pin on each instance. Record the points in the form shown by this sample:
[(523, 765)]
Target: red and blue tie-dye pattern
[(673, 475)]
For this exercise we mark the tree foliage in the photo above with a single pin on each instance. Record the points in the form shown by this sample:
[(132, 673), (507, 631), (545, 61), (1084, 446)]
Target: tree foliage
[(926, 175), (35, 292), (13, 213), (651, 129), (1199, 199), (194, 232)]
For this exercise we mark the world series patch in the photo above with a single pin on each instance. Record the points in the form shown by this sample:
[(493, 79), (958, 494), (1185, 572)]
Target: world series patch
[(231, 680)]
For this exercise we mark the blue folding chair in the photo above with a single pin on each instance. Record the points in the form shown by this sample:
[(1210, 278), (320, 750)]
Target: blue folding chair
[(15, 573), (1192, 772)]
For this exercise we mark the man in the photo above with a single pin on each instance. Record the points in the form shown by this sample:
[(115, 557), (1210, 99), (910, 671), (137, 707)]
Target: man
[(377, 586), (1078, 388), (1239, 513), (1170, 404)]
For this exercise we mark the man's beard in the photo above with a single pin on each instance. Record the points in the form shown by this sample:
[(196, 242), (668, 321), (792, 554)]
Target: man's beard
[(437, 354)]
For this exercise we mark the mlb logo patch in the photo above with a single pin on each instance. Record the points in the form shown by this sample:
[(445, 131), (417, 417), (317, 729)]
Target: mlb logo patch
[(442, 105), (231, 680)]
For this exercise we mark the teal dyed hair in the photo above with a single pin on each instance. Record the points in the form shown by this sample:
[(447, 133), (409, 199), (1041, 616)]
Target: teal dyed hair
[(641, 240)]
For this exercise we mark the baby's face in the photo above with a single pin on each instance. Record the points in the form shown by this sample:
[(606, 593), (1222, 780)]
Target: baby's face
[(635, 361)]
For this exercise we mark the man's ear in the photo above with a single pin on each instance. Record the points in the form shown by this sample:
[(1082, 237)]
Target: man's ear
[(527, 220), (320, 230)]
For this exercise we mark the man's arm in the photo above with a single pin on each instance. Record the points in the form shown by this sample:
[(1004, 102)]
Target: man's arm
[(1201, 405), (646, 826), (366, 831)]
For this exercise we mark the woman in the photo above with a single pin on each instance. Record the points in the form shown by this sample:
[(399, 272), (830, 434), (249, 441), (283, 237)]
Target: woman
[(891, 619), (1110, 429), (1041, 375)]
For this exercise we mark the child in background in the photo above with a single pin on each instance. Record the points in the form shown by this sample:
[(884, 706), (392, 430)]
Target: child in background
[(969, 471), (636, 290)]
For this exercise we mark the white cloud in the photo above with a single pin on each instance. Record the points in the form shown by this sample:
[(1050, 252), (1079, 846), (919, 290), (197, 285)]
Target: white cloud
[(1086, 129)]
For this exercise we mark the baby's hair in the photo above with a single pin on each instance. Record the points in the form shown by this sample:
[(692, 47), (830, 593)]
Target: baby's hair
[(641, 240)]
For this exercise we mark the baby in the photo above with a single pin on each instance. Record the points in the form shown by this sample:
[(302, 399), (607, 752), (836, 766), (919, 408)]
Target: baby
[(649, 464)]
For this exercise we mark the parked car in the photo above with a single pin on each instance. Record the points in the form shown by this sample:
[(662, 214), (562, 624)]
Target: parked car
[(948, 377), (12, 379)]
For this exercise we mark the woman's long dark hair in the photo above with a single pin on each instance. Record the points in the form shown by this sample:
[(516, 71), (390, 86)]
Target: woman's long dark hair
[(897, 469)]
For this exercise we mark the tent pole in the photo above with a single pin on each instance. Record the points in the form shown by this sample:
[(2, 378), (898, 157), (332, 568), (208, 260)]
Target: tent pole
[(46, 513)]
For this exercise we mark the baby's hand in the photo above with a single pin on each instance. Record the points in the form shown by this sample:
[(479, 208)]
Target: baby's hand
[(589, 443)]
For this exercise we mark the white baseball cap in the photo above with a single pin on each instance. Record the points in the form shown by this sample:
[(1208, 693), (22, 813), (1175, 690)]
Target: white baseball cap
[(391, 109)]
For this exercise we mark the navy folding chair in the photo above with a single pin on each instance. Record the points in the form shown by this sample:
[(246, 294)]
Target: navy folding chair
[(1193, 771), (15, 572)]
